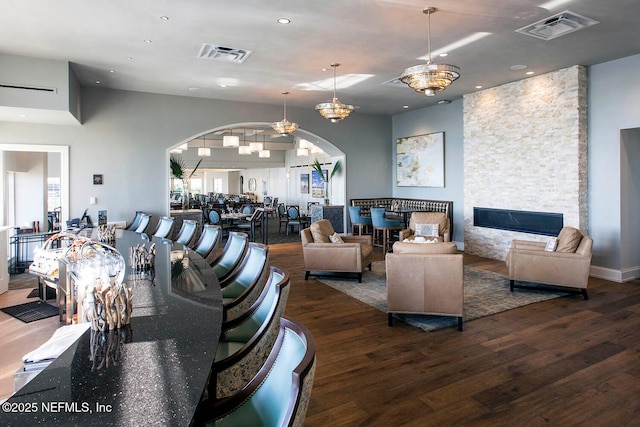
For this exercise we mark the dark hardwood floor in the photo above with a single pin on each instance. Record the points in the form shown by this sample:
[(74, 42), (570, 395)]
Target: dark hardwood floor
[(561, 362)]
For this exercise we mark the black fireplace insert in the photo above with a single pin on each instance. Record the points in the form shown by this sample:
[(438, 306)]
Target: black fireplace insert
[(545, 223)]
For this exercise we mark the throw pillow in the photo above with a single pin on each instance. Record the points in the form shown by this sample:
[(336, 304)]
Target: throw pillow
[(427, 230), (335, 238), (568, 239), (551, 245)]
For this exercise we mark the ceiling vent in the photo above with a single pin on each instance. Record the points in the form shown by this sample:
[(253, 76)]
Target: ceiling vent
[(223, 54), (557, 25)]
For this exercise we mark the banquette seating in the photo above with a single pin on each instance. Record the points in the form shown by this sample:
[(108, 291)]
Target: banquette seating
[(566, 265), (425, 278), (349, 255), (400, 206)]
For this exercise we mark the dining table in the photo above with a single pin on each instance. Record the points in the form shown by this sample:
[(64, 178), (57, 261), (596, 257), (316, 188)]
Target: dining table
[(152, 371)]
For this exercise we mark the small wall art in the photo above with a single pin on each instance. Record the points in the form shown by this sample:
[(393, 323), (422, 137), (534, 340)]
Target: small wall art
[(420, 161), (97, 179)]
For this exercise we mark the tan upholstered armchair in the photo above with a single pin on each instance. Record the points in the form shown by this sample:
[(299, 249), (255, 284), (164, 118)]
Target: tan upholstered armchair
[(425, 278), (418, 219), (566, 265), (352, 256)]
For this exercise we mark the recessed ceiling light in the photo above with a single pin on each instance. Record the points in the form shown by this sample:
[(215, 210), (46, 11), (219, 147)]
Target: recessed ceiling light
[(112, 71), (284, 21), (130, 58), (97, 82), (193, 89), (444, 101), (443, 54), (405, 106), (147, 41), (529, 73), (164, 18), (478, 87), (518, 67), (222, 85)]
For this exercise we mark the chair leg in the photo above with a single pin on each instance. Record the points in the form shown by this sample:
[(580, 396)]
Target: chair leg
[(585, 295), (389, 319), (511, 285), (306, 275), (460, 323)]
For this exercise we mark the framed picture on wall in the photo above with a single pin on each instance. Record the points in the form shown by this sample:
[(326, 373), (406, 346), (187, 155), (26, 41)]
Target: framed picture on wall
[(317, 184), (420, 160), (97, 179), (304, 183)]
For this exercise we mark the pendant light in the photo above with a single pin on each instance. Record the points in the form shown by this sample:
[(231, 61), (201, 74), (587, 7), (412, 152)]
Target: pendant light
[(430, 78), (284, 127), (334, 110), (204, 151)]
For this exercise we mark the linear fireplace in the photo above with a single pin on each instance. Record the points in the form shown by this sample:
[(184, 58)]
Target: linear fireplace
[(546, 223)]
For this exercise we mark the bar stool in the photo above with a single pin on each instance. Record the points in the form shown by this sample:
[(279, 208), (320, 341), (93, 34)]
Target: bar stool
[(358, 220), (384, 226)]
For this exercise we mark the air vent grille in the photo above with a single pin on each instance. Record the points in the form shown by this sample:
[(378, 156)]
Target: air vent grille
[(23, 87), (223, 54), (557, 25)]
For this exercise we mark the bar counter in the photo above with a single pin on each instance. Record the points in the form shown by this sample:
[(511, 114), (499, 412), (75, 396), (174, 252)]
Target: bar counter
[(152, 372)]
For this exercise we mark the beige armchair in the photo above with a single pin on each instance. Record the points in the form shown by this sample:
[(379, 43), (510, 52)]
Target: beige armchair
[(567, 265), (425, 278), (322, 256), (439, 218)]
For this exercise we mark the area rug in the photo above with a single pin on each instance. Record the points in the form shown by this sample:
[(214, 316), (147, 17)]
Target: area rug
[(485, 293), (31, 311)]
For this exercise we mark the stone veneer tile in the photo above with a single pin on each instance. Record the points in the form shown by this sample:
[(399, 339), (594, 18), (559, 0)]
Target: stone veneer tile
[(525, 148)]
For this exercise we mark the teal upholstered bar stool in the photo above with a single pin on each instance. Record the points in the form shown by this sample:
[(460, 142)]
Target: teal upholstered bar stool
[(383, 227), (358, 220)]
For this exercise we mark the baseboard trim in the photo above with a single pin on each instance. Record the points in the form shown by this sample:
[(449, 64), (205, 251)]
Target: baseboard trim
[(618, 276)]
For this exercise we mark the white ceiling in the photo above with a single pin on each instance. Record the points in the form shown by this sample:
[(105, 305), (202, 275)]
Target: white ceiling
[(377, 38)]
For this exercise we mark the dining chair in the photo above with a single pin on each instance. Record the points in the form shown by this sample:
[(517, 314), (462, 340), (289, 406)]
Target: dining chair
[(133, 225), (294, 219), (279, 393), (231, 255), (247, 340), (164, 227), (144, 222), (251, 224), (384, 227), (187, 231), (282, 216), (208, 240)]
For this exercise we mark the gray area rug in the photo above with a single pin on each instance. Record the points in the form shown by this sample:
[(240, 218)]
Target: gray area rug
[(485, 293)]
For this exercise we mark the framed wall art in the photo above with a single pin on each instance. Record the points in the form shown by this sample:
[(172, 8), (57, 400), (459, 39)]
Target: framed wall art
[(420, 160), (97, 179), (304, 183)]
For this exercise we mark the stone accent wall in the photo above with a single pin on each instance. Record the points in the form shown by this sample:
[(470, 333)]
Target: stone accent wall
[(525, 148)]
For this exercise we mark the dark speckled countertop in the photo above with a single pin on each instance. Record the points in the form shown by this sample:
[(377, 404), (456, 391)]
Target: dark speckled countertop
[(151, 373)]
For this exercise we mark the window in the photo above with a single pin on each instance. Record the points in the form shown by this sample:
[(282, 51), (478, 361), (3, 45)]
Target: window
[(217, 185)]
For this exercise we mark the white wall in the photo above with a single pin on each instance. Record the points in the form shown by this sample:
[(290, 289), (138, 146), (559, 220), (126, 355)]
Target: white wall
[(614, 102)]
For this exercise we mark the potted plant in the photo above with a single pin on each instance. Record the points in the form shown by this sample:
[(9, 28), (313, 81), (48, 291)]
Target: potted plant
[(178, 170), (337, 168)]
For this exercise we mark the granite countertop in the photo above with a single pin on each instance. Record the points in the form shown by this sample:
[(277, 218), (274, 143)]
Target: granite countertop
[(153, 372)]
